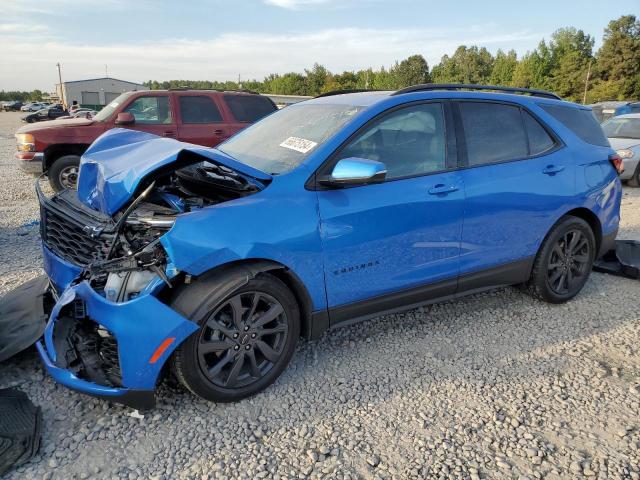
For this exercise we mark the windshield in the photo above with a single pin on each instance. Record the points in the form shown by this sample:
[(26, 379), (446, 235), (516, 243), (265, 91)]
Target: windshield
[(280, 142), (106, 111), (622, 128)]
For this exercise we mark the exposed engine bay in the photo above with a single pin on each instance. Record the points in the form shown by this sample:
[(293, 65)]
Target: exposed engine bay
[(121, 255)]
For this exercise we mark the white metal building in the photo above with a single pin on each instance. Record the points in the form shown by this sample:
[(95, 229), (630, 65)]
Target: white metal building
[(95, 92)]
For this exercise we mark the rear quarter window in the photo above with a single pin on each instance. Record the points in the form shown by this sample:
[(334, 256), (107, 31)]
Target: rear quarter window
[(249, 108), (581, 122)]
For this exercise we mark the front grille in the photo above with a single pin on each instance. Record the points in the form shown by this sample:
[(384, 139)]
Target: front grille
[(69, 230)]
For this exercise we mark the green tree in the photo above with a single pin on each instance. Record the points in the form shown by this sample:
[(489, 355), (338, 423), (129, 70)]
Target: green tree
[(534, 69), (504, 66), (316, 78), (618, 61), (467, 65), (570, 53), (411, 71)]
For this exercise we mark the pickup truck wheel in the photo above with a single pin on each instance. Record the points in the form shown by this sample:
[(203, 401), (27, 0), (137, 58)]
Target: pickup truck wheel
[(564, 261), (244, 343), (64, 172)]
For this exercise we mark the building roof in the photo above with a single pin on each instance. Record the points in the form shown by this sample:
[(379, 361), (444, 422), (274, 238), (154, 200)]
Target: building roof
[(103, 78)]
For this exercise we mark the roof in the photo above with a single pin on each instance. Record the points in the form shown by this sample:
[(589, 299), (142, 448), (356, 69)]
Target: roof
[(103, 78), (628, 115)]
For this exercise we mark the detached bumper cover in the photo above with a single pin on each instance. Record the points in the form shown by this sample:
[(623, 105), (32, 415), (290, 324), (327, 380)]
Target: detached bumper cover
[(139, 328)]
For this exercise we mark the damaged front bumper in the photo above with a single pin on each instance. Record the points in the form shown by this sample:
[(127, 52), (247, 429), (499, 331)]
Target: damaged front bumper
[(113, 350)]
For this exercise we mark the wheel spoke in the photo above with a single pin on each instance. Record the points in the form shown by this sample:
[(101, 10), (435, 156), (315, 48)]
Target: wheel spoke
[(254, 303), (214, 324), (580, 246), (217, 368), (268, 352), (253, 364), (268, 316), (557, 274), (559, 252), (570, 279), (280, 328), (238, 310), (581, 258), (214, 346), (553, 266), (235, 370), (561, 281), (575, 238)]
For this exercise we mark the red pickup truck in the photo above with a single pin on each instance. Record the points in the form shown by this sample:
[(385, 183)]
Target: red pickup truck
[(204, 117)]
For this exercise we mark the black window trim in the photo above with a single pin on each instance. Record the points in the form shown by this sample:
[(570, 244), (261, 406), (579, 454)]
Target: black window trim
[(463, 159), (451, 147), (182, 122)]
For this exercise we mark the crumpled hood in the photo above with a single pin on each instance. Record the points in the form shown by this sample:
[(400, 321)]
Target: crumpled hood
[(114, 165), (620, 143)]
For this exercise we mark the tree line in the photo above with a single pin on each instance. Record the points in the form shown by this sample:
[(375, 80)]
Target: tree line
[(565, 64)]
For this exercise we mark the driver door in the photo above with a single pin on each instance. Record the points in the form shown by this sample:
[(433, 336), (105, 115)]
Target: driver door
[(153, 114), (394, 243)]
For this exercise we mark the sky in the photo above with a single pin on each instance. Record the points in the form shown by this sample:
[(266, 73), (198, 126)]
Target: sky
[(141, 40)]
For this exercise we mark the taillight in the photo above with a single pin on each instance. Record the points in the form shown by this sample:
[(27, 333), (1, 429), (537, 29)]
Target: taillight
[(617, 163)]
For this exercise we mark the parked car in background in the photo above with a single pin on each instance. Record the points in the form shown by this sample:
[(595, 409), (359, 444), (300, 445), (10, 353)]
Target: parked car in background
[(81, 113), (631, 107), (33, 107), (45, 114), (203, 117), (623, 133), (12, 106), (215, 261)]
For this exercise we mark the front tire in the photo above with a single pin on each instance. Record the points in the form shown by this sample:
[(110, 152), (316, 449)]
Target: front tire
[(244, 342), (563, 263), (63, 173)]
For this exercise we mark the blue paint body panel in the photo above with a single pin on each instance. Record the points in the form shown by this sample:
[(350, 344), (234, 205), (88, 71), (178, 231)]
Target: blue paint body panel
[(140, 326), (115, 164), (345, 245)]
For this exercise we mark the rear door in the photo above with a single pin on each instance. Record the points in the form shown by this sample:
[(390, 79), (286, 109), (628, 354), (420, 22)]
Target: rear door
[(245, 109), (154, 114), (518, 178), (399, 236), (201, 120)]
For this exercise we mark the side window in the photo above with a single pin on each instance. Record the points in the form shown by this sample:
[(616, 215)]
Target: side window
[(539, 139), (494, 132), (249, 108), (199, 110), (580, 121), (150, 110), (410, 141)]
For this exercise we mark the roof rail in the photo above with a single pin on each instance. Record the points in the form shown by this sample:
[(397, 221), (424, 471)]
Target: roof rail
[(462, 86), (213, 90), (342, 92)]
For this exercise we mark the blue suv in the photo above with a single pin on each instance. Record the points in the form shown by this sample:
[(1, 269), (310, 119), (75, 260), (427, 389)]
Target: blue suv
[(214, 262)]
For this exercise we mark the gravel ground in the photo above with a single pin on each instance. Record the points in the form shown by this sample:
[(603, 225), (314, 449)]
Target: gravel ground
[(495, 385)]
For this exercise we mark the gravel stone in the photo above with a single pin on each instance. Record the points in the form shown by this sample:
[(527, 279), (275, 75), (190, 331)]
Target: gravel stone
[(494, 385)]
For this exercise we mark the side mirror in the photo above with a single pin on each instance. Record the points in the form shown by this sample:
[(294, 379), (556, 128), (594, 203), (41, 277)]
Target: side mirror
[(125, 118), (355, 171)]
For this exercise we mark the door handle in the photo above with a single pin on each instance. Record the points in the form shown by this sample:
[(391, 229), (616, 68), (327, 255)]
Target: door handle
[(218, 131), (553, 169), (441, 189), (168, 133)]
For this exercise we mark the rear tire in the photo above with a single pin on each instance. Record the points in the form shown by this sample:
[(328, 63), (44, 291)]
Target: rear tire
[(244, 342), (635, 180), (63, 173), (563, 263)]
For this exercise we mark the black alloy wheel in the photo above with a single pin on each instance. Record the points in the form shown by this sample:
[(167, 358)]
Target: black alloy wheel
[(245, 341), (242, 340), (569, 262)]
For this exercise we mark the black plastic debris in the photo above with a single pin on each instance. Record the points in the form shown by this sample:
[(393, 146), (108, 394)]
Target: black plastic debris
[(22, 317), (20, 429), (623, 261)]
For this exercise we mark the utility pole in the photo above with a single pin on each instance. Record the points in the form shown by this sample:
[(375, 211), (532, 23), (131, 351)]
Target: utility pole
[(239, 84), (61, 86), (106, 71), (586, 83)]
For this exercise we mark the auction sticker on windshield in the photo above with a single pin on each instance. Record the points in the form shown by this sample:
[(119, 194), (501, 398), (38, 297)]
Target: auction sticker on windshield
[(301, 145)]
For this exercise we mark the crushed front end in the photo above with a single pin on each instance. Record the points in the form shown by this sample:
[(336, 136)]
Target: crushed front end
[(112, 327), (108, 335)]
